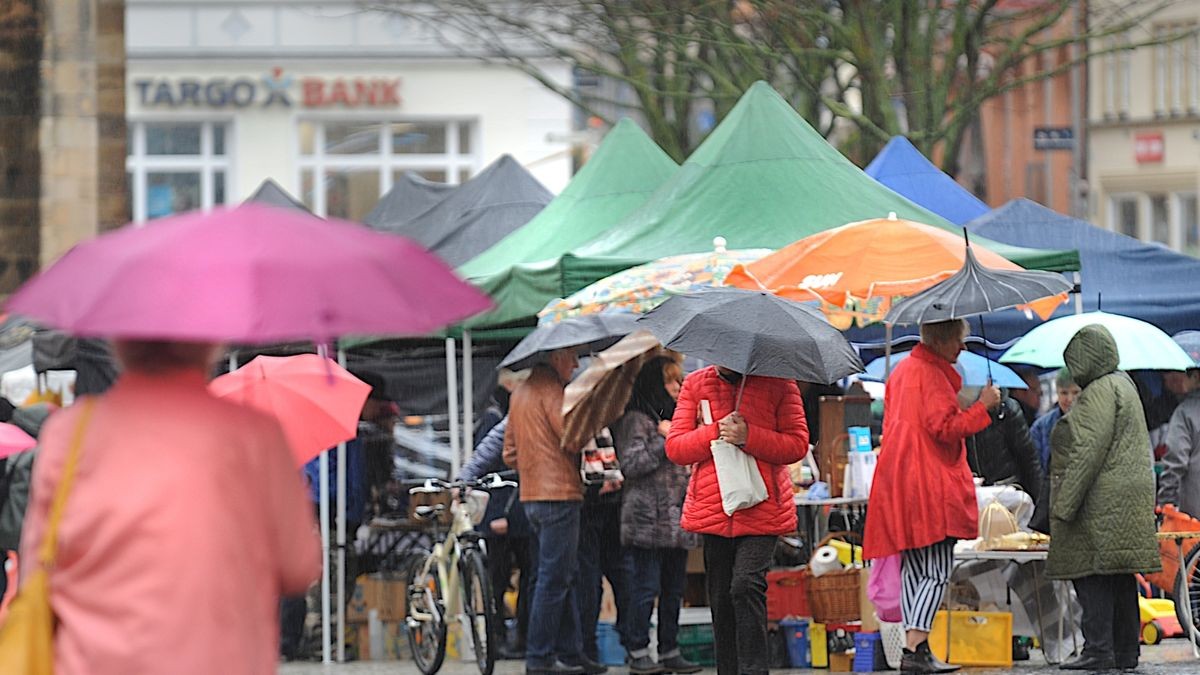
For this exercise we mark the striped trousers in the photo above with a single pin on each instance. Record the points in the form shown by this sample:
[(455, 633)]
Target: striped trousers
[(924, 575)]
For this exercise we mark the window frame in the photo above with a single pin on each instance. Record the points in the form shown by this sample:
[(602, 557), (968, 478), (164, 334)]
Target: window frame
[(385, 162), (138, 164)]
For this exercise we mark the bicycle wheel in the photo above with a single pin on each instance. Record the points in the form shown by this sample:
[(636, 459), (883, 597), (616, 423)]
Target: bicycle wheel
[(426, 620), (479, 608), (1189, 569)]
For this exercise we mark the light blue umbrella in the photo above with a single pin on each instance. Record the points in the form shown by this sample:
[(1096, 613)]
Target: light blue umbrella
[(1141, 345), (973, 367)]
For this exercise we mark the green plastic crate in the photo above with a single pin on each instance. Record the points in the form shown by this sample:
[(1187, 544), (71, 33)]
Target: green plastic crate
[(696, 634), (702, 654)]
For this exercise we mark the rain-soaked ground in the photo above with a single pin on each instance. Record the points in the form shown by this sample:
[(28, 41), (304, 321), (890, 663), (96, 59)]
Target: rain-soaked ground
[(1169, 658)]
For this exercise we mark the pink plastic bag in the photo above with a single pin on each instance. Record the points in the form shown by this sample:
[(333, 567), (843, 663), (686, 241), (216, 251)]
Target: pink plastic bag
[(883, 588)]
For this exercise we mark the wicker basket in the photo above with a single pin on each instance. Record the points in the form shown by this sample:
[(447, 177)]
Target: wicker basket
[(833, 597)]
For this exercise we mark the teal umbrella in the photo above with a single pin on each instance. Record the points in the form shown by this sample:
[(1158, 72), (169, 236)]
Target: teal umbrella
[(1142, 346)]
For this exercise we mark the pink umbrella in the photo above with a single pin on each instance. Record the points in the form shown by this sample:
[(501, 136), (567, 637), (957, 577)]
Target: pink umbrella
[(250, 274), (12, 441), (316, 401)]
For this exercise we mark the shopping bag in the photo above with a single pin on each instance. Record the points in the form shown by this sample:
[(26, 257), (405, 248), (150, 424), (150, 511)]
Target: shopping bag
[(995, 523), (883, 588), (27, 636), (738, 477)]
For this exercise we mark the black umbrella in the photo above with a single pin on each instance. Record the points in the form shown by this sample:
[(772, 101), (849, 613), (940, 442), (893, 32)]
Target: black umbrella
[(975, 290), (591, 333), (754, 333)]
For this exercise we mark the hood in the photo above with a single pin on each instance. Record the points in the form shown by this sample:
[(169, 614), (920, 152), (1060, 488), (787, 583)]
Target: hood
[(1091, 354)]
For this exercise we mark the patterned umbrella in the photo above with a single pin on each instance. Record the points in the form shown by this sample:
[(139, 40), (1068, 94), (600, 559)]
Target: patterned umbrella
[(640, 289)]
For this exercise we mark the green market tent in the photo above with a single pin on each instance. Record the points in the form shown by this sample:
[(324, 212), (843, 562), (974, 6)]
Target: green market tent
[(763, 179), (532, 265)]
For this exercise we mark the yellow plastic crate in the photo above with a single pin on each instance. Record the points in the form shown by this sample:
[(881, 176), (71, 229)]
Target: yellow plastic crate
[(818, 641), (973, 638)]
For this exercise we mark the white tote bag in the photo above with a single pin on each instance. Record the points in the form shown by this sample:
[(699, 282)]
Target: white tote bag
[(738, 477)]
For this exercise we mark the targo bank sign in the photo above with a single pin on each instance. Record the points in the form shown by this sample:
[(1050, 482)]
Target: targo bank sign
[(273, 89)]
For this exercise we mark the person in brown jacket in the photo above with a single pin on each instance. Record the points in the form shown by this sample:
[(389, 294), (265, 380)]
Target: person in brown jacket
[(551, 492)]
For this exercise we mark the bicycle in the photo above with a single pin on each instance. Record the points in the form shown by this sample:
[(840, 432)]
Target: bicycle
[(455, 567)]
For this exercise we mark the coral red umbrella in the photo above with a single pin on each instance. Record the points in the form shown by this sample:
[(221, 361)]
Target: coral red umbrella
[(14, 440), (316, 401)]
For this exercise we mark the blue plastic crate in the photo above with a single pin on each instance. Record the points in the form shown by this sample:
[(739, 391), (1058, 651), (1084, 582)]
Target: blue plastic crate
[(608, 645)]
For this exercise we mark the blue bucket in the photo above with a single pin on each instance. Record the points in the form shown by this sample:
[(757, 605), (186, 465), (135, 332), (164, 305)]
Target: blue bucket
[(796, 633)]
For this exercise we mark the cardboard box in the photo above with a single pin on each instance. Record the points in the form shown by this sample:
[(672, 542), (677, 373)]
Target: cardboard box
[(386, 594), (395, 644), (870, 622)]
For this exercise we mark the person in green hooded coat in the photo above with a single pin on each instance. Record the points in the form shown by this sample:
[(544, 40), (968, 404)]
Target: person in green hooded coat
[(1102, 529)]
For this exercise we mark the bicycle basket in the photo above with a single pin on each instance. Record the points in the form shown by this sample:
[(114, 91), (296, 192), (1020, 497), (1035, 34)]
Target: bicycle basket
[(476, 504)]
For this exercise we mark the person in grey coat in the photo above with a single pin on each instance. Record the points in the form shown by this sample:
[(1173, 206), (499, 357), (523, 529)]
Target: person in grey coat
[(1179, 483), (655, 546)]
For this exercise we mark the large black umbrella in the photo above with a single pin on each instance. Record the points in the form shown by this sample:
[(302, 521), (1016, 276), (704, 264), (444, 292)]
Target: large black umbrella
[(975, 290), (591, 333), (754, 333)]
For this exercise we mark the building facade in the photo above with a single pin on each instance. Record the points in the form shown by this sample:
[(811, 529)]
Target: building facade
[(329, 100), (1144, 132)]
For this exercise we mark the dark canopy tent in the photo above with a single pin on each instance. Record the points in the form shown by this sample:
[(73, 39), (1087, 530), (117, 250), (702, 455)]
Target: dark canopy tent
[(270, 193), (903, 168), (1119, 274), (477, 214), (410, 196)]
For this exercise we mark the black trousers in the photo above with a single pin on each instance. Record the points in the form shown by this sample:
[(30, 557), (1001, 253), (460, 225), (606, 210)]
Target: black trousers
[(600, 555), (505, 553), (736, 571), (1111, 622)]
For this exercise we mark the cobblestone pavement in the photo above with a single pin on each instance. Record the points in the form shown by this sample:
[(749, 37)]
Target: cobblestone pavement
[(1172, 657)]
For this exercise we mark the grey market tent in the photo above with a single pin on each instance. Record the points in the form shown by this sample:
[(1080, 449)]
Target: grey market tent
[(410, 196), (477, 214), (269, 192)]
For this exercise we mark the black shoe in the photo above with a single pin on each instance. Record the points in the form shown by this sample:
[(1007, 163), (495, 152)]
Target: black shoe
[(1089, 662), (591, 667), (1126, 662), (644, 665), (557, 668), (678, 664), (922, 660), (508, 653)]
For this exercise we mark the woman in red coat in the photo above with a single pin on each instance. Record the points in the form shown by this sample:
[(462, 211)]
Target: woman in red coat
[(923, 495), (769, 426)]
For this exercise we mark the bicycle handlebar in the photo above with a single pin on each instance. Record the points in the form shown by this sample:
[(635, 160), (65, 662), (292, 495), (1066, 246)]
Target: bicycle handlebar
[(490, 481)]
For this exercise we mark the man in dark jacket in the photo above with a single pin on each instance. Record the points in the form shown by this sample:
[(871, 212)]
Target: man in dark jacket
[(1003, 453), (1102, 502)]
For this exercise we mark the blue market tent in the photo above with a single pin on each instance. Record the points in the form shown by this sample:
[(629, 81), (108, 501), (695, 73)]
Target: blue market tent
[(1118, 273), (903, 168)]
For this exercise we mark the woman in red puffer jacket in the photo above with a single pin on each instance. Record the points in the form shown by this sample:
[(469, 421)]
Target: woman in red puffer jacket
[(769, 426)]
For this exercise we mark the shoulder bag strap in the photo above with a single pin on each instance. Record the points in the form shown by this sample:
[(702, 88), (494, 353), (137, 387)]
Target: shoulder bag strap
[(49, 547)]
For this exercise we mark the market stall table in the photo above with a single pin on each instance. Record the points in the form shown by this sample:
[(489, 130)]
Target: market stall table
[(813, 515), (1024, 558)]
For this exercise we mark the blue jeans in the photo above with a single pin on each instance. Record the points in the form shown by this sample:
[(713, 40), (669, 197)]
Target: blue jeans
[(654, 573), (554, 616)]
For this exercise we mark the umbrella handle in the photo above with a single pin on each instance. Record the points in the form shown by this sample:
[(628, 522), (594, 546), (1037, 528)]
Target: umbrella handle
[(987, 361)]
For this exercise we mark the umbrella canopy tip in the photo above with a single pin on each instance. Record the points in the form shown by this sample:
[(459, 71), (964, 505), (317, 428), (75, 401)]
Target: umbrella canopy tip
[(719, 244), (892, 215)]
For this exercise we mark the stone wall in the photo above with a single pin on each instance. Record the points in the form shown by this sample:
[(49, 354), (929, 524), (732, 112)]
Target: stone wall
[(83, 188), (20, 168)]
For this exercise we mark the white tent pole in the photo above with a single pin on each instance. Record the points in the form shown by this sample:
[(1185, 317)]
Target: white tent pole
[(341, 539), (452, 403), (323, 476), (468, 430), (233, 360)]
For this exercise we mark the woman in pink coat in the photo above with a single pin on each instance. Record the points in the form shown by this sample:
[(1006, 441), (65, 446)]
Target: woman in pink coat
[(186, 523)]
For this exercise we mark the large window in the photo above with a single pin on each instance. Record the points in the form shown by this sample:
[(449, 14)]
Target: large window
[(346, 165), (1168, 218), (1124, 214), (176, 166)]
